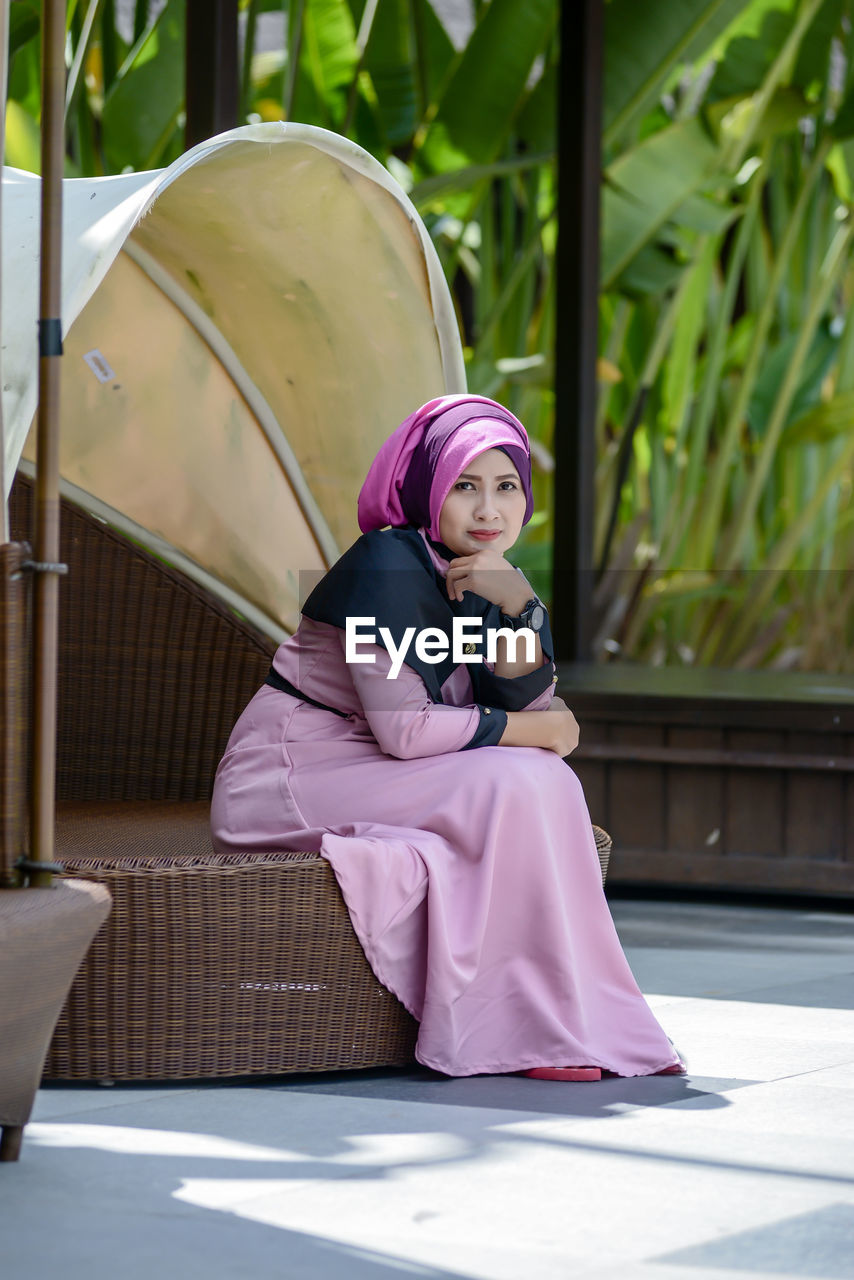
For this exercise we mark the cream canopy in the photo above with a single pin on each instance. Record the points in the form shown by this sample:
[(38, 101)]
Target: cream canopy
[(241, 332)]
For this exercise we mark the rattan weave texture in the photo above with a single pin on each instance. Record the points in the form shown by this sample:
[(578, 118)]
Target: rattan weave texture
[(15, 668), (215, 964), (603, 849), (153, 671)]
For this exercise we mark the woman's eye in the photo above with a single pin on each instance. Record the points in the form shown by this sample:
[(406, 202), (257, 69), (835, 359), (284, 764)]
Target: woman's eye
[(463, 485), (508, 485)]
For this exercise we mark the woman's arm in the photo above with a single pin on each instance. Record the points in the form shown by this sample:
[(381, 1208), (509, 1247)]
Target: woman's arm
[(555, 729), (509, 667), (404, 719), (409, 725), (488, 575)]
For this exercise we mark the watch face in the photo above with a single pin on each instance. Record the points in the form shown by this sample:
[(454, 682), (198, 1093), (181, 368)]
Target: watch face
[(538, 617)]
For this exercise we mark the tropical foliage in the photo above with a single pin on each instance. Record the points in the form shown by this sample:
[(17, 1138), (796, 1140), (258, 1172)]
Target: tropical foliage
[(726, 420), (724, 429)]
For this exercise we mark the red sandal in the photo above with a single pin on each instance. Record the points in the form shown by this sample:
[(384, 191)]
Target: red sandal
[(563, 1073)]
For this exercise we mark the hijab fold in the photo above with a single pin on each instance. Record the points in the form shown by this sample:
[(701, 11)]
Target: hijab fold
[(413, 473)]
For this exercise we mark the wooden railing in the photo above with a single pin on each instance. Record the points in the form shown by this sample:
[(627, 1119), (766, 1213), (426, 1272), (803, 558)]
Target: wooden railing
[(719, 779)]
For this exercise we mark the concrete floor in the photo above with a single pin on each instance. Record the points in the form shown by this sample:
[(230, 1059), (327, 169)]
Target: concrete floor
[(742, 1169)]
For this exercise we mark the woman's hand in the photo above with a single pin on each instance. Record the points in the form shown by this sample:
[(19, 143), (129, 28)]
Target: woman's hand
[(566, 731), (555, 729), (487, 574)]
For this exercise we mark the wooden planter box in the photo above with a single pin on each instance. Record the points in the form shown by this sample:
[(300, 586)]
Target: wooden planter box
[(719, 779)]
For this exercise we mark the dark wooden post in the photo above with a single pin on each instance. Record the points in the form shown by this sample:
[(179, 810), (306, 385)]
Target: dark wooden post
[(579, 167), (211, 68)]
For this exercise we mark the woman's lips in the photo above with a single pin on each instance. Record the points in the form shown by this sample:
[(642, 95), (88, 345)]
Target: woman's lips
[(484, 535)]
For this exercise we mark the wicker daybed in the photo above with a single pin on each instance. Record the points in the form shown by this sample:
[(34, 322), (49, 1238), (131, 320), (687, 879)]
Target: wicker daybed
[(209, 965)]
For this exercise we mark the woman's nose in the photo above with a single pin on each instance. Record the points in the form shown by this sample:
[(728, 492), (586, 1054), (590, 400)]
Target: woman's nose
[(485, 508)]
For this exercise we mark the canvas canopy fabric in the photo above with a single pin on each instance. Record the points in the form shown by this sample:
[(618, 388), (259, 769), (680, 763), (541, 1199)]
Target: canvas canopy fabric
[(241, 332)]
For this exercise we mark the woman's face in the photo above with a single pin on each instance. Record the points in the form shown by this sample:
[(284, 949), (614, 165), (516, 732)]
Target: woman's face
[(485, 507)]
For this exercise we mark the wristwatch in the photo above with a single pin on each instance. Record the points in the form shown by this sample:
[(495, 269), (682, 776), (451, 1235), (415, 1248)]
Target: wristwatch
[(533, 616)]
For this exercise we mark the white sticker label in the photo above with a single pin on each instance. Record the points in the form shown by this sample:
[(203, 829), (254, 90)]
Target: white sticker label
[(99, 365)]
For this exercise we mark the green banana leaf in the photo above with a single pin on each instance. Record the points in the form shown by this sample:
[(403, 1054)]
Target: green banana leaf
[(23, 140), (645, 188), (729, 117), (328, 59), (644, 43), (748, 58), (701, 213), (407, 57), (842, 126), (24, 24), (24, 85), (389, 60), (812, 63), (141, 110), (815, 368), (653, 272), (434, 189), (536, 124), (488, 85)]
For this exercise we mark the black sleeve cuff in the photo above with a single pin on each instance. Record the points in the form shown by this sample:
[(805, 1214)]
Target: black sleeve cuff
[(515, 694), (493, 722)]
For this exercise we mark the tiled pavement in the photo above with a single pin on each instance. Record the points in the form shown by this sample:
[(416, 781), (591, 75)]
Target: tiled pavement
[(743, 1169)]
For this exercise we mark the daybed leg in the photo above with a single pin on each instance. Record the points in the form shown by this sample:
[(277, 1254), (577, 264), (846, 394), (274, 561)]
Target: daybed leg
[(10, 1141)]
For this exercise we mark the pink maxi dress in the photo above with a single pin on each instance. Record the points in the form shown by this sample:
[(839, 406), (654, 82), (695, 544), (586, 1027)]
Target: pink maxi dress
[(471, 877)]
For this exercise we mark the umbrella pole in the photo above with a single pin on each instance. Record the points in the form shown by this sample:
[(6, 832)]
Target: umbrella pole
[(46, 594)]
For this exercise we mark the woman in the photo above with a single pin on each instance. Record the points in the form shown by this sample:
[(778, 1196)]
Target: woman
[(433, 781)]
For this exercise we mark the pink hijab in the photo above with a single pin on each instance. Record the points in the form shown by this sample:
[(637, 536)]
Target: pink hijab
[(412, 474)]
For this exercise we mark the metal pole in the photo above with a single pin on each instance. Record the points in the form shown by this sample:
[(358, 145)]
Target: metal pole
[(211, 68), (579, 172), (46, 587)]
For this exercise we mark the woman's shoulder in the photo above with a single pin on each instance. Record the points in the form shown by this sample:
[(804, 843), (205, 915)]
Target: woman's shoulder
[(386, 549), (385, 569)]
